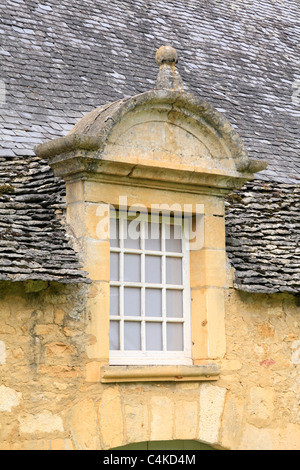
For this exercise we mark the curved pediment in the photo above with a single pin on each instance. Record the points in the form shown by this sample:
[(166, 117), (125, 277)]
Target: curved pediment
[(164, 128), (163, 131)]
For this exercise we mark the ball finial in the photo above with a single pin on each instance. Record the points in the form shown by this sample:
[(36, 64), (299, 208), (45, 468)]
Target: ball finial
[(166, 55), (168, 76)]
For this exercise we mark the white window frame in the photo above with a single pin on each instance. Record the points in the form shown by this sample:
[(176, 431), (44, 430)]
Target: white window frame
[(143, 357)]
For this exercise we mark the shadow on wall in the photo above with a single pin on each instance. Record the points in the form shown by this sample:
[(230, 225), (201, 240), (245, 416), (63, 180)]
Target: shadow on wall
[(166, 445)]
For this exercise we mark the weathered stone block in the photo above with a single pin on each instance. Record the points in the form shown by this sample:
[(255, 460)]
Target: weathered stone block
[(212, 401), (83, 425), (208, 323), (199, 324), (60, 371), (208, 268), (186, 419), (45, 330), (93, 371), (97, 221), (261, 405), (232, 422), (136, 423), (296, 354), (162, 418), (97, 261), (111, 418), (97, 310), (214, 229), (75, 191), (76, 218), (2, 353), (45, 422), (9, 398), (57, 349)]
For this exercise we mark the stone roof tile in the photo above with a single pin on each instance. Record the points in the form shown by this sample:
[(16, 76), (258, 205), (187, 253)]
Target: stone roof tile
[(262, 237)]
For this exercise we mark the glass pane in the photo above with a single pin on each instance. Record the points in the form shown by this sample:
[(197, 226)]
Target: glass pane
[(153, 336), (173, 234), (153, 269), (114, 301), (174, 303), (114, 266), (153, 302), (114, 336), (153, 236), (132, 234), (132, 336), (132, 301), (174, 271), (132, 268), (114, 232), (174, 336)]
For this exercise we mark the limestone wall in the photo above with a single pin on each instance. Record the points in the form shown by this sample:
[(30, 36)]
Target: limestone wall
[(46, 403)]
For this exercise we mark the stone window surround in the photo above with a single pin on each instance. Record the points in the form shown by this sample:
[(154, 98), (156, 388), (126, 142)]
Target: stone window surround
[(86, 199)]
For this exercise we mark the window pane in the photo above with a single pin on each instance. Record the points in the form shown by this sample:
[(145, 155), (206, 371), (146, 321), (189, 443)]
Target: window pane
[(174, 337), (153, 302), (132, 301), (153, 336), (114, 266), (173, 238), (132, 234), (114, 301), (132, 336), (114, 232), (174, 271), (153, 237), (153, 269), (114, 336), (174, 303), (132, 268)]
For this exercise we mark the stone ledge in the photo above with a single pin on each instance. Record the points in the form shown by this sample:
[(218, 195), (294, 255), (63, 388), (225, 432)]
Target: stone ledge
[(203, 372)]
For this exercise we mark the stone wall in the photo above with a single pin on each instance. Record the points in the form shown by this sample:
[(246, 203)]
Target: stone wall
[(46, 403), (42, 354), (261, 372)]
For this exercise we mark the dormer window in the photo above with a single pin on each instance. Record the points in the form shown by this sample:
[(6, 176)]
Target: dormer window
[(154, 301), (150, 294)]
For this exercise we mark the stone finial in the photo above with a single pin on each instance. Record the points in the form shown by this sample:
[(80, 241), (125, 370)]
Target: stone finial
[(168, 75), (166, 54)]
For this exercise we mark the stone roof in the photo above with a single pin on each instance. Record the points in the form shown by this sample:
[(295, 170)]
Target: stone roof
[(263, 237), (61, 60), (33, 243)]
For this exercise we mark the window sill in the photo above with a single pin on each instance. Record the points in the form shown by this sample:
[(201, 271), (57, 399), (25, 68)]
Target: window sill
[(206, 371)]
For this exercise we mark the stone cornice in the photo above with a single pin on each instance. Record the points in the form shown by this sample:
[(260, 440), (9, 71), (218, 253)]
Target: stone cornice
[(83, 165)]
